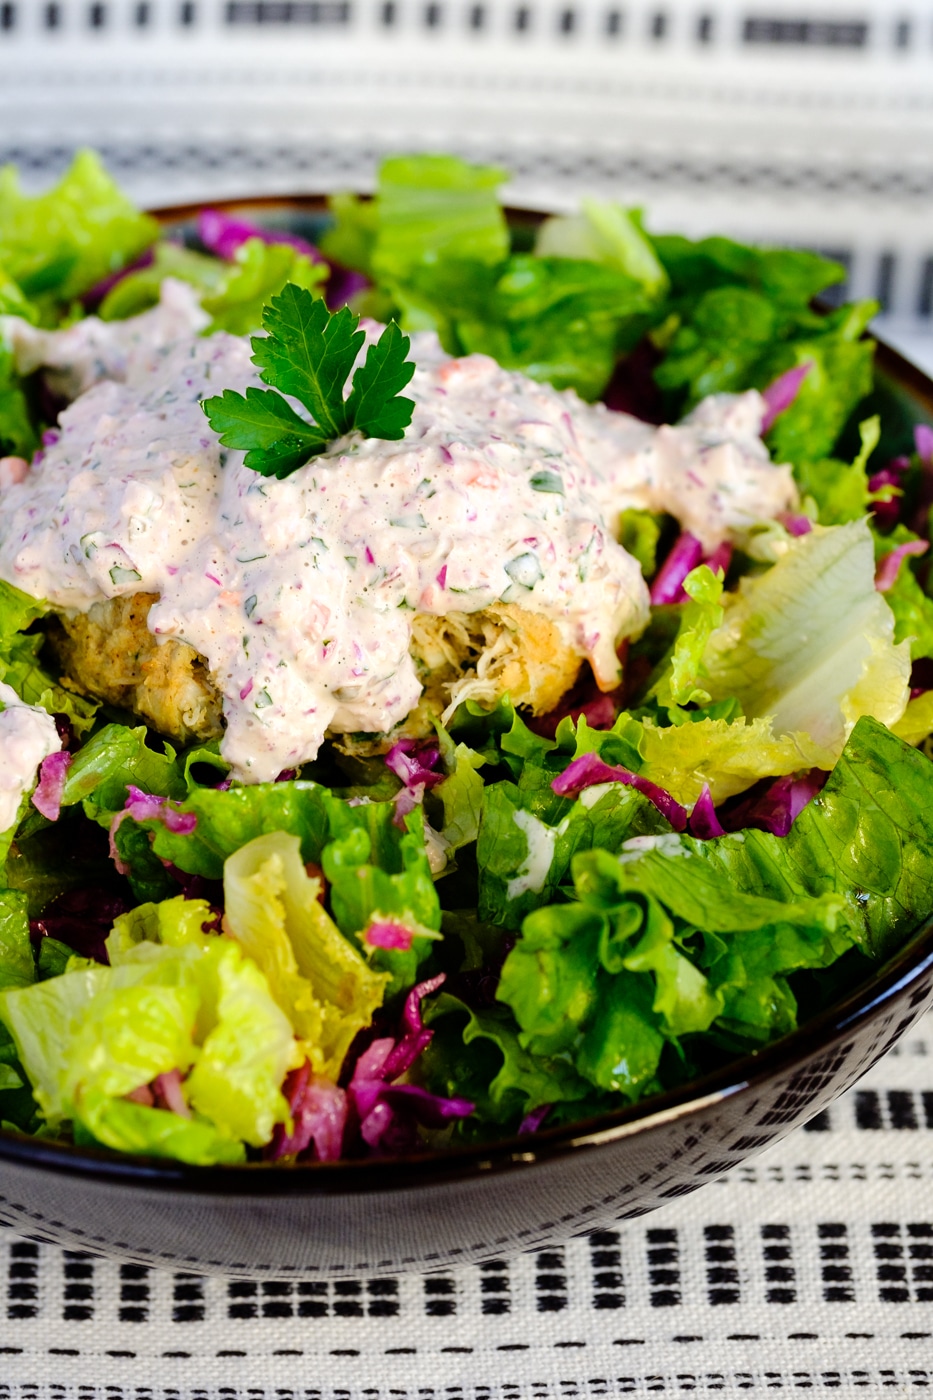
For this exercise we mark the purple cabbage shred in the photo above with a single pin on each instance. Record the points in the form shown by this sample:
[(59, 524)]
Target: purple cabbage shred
[(319, 1118), (47, 797), (887, 510), (685, 555), (388, 1113), (778, 807), (589, 769), (889, 566), (704, 822), (782, 392)]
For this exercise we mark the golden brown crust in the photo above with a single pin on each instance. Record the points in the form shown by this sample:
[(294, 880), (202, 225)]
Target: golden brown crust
[(110, 654)]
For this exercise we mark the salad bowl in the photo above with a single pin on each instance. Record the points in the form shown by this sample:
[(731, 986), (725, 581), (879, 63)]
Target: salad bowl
[(437, 1210), (427, 1210)]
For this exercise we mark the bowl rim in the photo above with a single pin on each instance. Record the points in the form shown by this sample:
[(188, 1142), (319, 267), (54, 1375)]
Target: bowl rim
[(356, 1176), (361, 1176)]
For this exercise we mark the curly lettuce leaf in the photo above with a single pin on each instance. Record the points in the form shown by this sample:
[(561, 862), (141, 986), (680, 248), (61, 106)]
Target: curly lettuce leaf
[(725, 755), (379, 870), (840, 376), (867, 836), (840, 489), (659, 947), (112, 759), (479, 1052), (64, 241), (528, 836), (138, 291), (225, 821), (258, 272), (555, 319)]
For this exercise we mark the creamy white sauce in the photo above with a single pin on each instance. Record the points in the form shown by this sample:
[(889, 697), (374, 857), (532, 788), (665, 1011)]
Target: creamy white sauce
[(541, 840), (667, 843), (300, 592), (712, 471), (27, 736), (590, 796)]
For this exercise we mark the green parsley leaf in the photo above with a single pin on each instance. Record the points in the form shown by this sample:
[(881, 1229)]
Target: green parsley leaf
[(373, 407), (309, 353)]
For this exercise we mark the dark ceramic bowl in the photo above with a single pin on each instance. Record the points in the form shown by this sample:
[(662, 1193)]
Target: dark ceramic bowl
[(435, 1210)]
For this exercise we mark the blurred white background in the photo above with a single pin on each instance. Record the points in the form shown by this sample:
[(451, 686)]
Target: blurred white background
[(779, 120)]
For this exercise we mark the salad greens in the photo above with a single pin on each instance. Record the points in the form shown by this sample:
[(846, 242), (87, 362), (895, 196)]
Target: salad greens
[(519, 922)]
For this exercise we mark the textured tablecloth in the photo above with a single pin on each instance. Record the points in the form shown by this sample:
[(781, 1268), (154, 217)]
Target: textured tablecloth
[(810, 1268)]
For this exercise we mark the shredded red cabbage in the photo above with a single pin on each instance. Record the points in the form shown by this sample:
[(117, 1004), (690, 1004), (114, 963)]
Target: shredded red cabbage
[(668, 585), (319, 1118), (589, 769), (166, 1093), (886, 511), (782, 392), (147, 806), (388, 1112), (386, 933), (704, 822), (794, 524), (415, 763), (534, 1120), (778, 807), (47, 797), (923, 443), (889, 566), (224, 235)]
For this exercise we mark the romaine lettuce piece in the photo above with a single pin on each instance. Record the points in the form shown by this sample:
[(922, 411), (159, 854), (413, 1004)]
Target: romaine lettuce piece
[(124, 1126), (810, 643), (320, 981), (437, 208), (604, 233), (100, 1029), (17, 965), (174, 999), (243, 1042)]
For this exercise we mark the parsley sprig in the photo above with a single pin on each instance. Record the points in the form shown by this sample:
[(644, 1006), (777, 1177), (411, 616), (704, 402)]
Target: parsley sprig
[(308, 353)]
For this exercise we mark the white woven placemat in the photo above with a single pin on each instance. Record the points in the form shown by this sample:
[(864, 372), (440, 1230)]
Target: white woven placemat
[(810, 1268)]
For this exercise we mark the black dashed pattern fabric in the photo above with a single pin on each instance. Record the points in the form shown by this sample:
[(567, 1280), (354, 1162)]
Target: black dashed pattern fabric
[(807, 1268)]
